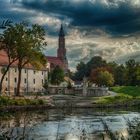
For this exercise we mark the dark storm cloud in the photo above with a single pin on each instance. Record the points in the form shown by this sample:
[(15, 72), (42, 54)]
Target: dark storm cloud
[(7, 12), (122, 19)]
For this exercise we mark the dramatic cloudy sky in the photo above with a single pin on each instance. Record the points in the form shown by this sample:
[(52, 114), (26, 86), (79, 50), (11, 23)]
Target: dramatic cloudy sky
[(109, 28)]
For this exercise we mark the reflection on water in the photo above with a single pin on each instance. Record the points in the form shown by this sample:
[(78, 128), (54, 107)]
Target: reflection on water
[(64, 125)]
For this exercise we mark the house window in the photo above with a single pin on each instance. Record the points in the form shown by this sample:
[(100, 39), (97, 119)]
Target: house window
[(15, 70), (25, 80), (34, 71), (25, 71), (42, 72), (34, 81), (15, 80)]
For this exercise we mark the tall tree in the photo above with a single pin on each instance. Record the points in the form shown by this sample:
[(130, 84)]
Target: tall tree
[(131, 68), (120, 75), (29, 41), (81, 71), (138, 74), (8, 47)]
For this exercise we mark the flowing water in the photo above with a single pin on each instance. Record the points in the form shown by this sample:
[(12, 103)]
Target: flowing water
[(69, 124)]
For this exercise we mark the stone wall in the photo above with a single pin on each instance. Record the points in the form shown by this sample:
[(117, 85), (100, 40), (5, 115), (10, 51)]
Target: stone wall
[(95, 92)]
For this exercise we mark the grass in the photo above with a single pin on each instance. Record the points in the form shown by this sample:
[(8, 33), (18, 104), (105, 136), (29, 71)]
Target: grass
[(128, 90), (121, 98), (125, 94), (7, 101)]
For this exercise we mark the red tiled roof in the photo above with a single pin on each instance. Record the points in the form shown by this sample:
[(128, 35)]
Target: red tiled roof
[(3, 58), (55, 61), (4, 61), (52, 60)]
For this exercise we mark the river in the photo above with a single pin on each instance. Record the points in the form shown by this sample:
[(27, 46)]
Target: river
[(65, 124)]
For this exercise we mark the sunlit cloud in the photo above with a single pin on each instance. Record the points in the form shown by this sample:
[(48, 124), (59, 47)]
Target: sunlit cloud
[(109, 28)]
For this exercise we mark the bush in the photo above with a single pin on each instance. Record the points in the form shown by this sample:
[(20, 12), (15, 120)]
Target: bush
[(5, 101)]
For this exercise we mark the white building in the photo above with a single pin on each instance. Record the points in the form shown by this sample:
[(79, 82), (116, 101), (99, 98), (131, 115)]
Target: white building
[(32, 80)]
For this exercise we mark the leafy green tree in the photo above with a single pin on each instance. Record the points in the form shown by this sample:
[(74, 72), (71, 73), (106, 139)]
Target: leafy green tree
[(120, 75), (81, 71), (105, 78), (131, 68), (95, 72), (9, 48), (95, 62), (28, 42), (138, 75), (85, 69), (57, 76)]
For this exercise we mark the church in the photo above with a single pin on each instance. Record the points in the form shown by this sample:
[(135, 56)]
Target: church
[(61, 58)]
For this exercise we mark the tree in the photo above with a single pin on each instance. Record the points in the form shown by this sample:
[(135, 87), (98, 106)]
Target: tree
[(94, 73), (28, 42), (120, 75), (9, 48), (105, 78), (57, 75), (102, 76), (138, 74), (85, 69), (81, 71), (29, 48), (95, 62), (5, 45), (131, 69)]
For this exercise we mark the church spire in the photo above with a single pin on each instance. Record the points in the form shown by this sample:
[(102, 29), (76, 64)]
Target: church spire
[(61, 51), (61, 32)]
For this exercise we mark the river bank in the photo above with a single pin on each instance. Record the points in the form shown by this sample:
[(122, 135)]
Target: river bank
[(114, 101)]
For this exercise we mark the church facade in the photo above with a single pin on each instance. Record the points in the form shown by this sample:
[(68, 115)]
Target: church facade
[(61, 58)]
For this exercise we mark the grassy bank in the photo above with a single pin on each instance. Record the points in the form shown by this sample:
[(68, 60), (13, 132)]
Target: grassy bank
[(126, 94), (119, 99), (7, 101), (127, 90)]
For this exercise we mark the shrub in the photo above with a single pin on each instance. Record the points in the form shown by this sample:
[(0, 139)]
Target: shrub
[(5, 101)]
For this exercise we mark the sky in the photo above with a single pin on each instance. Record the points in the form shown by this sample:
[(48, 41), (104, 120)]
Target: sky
[(108, 28)]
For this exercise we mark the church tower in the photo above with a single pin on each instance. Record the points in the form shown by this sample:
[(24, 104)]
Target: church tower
[(61, 51)]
